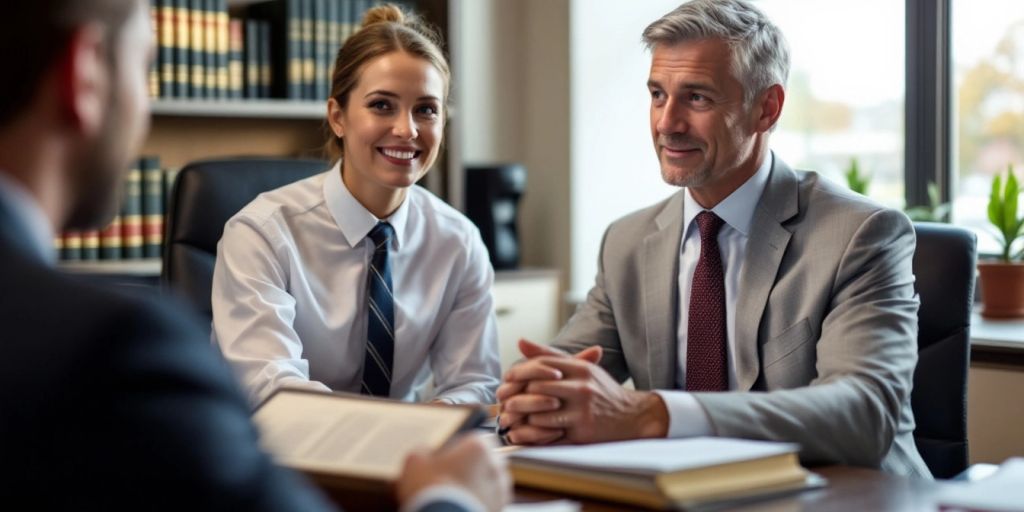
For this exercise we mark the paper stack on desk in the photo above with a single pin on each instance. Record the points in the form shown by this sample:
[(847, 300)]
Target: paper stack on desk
[(665, 473), (1001, 492)]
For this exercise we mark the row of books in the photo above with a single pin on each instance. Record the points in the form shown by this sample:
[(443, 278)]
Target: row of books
[(137, 231), (278, 49)]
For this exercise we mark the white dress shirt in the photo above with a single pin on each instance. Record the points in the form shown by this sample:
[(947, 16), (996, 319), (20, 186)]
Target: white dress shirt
[(686, 416), (30, 215), (290, 292)]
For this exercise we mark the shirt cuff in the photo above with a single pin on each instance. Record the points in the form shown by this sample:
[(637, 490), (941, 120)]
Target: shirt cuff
[(686, 417), (460, 395), (445, 494)]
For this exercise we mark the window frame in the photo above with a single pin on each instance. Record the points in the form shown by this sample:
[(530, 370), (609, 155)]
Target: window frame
[(928, 106)]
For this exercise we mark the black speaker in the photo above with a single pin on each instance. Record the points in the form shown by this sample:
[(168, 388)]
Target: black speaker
[(492, 203)]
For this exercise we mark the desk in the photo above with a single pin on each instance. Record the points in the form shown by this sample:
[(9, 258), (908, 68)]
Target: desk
[(848, 489)]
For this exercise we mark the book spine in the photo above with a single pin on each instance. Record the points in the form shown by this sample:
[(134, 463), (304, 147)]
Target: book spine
[(223, 50), (72, 246), (152, 206), (210, 84), (197, 73), (333, 39), (267, 75), (293, 19), (58, 245), (170, 176), (154, 66), (348, 19), (252, 59), (321, 22), (308, 49), (90, 245), (236, 77), (182, 45), (110, 240), (166, 48), (131, 215)]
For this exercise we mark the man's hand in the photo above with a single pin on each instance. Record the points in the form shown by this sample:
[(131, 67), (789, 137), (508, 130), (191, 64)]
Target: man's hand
[(527, 371), (577, 399), (468, 463)]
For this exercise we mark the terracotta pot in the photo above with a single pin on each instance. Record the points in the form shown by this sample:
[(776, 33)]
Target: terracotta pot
[(1002, 289)]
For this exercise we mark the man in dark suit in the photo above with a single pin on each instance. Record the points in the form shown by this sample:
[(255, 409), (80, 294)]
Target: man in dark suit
[(108, 401)]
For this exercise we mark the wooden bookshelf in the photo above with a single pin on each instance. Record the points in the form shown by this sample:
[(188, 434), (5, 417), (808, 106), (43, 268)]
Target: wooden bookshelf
[(143, 268), (240, 108), (186, 130)]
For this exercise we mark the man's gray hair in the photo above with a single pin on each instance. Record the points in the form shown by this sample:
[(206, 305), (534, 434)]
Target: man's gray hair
[(760, 52)]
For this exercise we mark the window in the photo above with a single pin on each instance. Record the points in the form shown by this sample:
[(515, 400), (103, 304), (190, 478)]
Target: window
[(845, 95), (988, 110)]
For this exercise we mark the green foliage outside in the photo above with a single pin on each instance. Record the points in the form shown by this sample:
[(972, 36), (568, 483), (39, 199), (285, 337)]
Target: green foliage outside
[(1002, 212), (934, 211), (857, 182)]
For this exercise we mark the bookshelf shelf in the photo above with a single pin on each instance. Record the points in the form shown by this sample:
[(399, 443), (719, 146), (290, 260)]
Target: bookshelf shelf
[(260, 109), (146, 267)]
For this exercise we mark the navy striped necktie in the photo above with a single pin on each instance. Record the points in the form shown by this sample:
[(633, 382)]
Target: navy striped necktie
[(380, 332)]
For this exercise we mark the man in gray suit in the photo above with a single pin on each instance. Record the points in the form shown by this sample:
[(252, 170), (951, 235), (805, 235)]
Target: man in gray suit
[(759, 302)]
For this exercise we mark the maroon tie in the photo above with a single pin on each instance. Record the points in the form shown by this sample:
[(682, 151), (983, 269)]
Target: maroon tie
[(705, 332)]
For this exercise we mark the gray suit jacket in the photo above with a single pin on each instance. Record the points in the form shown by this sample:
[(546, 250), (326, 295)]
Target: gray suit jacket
[(826, 321)]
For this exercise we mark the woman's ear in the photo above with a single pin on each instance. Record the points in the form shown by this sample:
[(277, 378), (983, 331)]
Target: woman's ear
[(335, 117)]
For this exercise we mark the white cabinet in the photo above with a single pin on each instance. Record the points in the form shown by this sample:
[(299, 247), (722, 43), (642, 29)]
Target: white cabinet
[(526, 304)]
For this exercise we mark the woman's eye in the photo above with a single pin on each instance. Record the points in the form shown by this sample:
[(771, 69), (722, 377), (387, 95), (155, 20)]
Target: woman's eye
[(380, 105), (428, 110)]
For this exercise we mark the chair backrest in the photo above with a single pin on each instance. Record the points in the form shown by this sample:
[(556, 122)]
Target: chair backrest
[(944, 265), (205, 195)]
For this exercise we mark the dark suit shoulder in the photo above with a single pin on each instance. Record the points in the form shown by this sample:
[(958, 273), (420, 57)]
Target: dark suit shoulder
[(108, 388)]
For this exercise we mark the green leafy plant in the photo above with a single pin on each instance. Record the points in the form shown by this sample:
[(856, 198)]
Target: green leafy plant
[(855, 180), (934, 211), (1002, 212)]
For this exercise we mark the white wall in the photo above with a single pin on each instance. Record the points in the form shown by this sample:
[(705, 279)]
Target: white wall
[(614, 167)]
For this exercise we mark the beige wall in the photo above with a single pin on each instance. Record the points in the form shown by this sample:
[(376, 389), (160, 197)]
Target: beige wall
[(512, 105), (995, 412)]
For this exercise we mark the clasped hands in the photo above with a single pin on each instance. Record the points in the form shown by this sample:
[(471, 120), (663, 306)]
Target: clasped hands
[(555, 398)]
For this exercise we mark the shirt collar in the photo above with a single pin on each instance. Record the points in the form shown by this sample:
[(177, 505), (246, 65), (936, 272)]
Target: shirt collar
[(354, 220), (737, 209), (26, 211)]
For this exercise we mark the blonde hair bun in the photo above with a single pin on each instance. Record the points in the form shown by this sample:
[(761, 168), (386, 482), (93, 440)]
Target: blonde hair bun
[(387, 13)]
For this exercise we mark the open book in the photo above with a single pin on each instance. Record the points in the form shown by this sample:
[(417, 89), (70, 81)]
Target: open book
[(665, 473), (353, 446)]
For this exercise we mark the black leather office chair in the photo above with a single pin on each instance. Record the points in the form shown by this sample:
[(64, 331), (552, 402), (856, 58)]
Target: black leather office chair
[(205, 195), (944, 265)]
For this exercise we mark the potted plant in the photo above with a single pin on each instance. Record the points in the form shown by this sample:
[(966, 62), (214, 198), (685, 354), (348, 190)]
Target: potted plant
[(934, 211), (855, 180), (1002, 280)]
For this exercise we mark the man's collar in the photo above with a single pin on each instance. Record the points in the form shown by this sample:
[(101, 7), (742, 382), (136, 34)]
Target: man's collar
[(354, 220), (37, 233), (737, 209)]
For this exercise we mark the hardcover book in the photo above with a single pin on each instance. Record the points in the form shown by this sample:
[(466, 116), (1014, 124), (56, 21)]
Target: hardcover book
[(352, 446)]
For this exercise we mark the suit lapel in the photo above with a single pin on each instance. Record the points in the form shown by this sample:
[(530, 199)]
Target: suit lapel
[(765, 248), (660, 270)]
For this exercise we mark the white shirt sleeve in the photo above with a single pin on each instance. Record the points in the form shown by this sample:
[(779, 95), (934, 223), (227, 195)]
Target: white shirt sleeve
[(254, 314), (449, 493), (464, 357), (686, 417)]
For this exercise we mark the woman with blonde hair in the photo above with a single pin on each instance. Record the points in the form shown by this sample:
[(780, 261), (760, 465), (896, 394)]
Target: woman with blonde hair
[(357, 279)]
